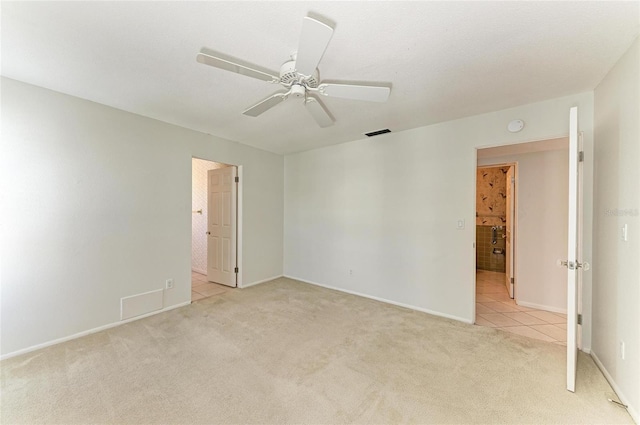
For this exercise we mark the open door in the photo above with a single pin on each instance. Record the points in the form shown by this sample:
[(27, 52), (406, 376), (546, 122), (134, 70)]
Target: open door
[(221, 226), (572, 263), (510, 217)]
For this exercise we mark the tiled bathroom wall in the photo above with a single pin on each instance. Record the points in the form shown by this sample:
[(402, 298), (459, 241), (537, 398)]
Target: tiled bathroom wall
[(489, 256)]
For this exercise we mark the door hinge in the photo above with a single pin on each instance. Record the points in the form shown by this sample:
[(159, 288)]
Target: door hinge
[(581, 156), (579, 319), (237, 179), (512, 280), (513, 179), (236, 270)]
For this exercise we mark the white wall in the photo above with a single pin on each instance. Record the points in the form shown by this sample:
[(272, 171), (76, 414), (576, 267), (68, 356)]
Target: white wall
[(616, 265), (96, 205), (387, 207), (543, 192), (199, 196)]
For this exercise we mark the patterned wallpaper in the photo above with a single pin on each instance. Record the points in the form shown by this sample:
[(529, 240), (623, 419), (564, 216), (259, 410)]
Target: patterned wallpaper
[(199, 169), (491, 196)]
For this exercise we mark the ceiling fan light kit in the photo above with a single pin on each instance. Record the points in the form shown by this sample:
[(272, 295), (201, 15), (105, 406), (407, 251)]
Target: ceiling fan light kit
[(299, 76)]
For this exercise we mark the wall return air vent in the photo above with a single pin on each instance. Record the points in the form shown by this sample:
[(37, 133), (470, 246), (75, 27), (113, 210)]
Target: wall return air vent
[(378, 132)]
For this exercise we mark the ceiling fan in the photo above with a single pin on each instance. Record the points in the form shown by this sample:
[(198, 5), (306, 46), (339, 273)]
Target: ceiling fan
[(299, 76)]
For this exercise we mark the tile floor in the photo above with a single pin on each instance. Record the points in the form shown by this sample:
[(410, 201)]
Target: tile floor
[(495, 309), (200, 288)]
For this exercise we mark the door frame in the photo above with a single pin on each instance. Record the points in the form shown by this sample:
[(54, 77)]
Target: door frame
[(514, 225), (581, 206), (239, 215), (239, 227)]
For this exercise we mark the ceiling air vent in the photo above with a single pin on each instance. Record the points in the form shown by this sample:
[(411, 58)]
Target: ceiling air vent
[(376, 133)]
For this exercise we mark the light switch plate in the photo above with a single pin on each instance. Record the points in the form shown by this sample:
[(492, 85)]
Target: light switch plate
[(460, 224), (624, 233)]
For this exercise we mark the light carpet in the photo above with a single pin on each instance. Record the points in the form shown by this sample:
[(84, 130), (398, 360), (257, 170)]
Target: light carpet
[(288, 352)]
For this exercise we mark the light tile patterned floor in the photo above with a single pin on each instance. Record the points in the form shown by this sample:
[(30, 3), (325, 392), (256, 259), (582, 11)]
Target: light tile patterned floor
[(495, 309), (200, 288)]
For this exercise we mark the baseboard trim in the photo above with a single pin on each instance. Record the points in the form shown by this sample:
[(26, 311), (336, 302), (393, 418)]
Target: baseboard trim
[(88, 332), (246, 285), (384, 300), (633, 412), (542, 307), (204, 272)]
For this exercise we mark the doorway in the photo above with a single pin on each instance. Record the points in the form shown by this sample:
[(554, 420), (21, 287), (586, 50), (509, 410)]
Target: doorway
[(214, 228), (521, 230), (495, 212)]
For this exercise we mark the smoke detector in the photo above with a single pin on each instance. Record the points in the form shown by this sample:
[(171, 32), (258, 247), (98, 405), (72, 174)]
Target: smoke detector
[(515, 126)]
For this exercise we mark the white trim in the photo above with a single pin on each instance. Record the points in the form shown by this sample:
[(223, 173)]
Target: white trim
[(260, 281), (384, 300), (619, 393), (89, 332), (204, 272), (239, 195), (542, 307), (474, 255)]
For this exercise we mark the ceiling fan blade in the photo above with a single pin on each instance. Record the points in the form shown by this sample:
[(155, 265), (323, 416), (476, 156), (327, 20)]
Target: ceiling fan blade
[(350, 91), (266, 104), (228, 63), (318, 111), (314, 39)]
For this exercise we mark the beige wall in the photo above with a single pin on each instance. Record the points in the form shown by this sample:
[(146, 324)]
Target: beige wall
[(97, 206), (616, 263), (379, 216)]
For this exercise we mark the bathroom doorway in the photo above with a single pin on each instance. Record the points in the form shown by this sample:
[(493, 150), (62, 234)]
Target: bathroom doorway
[(521, 230), (495, 215)]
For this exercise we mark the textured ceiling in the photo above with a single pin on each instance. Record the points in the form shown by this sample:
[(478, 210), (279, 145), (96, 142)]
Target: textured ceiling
[(444, 60)]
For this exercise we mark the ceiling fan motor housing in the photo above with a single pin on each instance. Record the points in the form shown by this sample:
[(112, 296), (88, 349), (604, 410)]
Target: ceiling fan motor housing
[(289, 76), (298, 90)]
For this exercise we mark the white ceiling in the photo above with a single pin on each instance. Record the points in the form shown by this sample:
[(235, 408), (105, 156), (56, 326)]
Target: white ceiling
[(444, 60)]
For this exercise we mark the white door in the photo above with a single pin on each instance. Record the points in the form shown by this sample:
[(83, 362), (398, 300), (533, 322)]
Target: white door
[(221, 225), (510, 216), (572, 264)]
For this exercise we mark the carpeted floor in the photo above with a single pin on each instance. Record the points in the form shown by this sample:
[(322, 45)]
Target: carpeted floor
[(288, 352)]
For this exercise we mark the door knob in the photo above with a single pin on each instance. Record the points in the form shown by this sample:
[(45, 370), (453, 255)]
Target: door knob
[(573, 265), (584, 265)]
